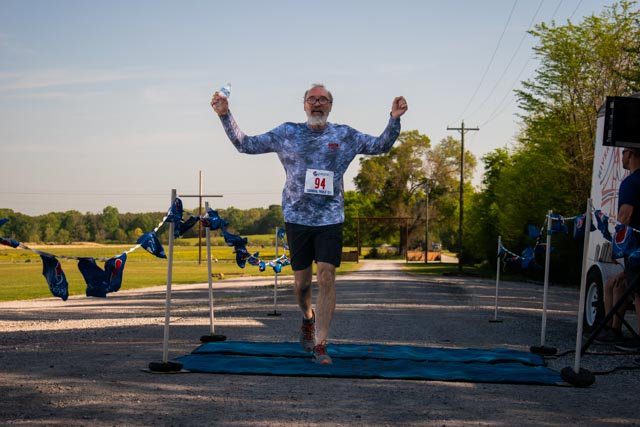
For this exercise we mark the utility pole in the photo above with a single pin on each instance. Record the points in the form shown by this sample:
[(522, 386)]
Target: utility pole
[(426, 230), (462, 131), (199, 222)]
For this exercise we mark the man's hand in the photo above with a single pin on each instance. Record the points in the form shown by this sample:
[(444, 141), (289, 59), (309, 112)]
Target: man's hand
[(220, 104), (398, 107)]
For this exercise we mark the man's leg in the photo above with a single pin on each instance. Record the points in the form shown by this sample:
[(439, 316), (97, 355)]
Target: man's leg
[(326, 302), (619, 288), (302, 279), (608, 298), (637, 299)]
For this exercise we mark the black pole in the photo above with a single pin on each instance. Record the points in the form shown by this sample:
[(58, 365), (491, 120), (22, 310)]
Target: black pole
[(461, 199), (462, 130), (426, 232)]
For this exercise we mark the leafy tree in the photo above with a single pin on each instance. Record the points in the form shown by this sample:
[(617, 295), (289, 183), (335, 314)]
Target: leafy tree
[(268, 221), (579, 66), (396, 184), (482, 223), (110, 220), (550, 166)]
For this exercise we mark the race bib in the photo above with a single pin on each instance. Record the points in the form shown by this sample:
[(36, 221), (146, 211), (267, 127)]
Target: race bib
[(319, 182)]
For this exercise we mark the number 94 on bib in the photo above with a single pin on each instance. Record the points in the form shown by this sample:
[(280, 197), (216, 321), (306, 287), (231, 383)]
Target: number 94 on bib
[(319, 181)]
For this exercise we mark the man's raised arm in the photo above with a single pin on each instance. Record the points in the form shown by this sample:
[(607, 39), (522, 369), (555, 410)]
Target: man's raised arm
[(265, 143), (368, 144)]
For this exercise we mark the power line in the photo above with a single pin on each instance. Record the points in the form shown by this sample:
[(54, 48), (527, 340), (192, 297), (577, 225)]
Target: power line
[(524, 36), (495, 113), (575, 10), (490, 61)]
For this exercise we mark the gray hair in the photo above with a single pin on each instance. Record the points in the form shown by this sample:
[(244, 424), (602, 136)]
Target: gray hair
[(315, 85)]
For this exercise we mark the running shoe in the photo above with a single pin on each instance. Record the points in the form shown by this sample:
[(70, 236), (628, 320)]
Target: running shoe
[(308, 333), (320, 355)]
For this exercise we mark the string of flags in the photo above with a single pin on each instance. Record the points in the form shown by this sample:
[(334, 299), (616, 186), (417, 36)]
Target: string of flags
[(624, 242), (101, 281)]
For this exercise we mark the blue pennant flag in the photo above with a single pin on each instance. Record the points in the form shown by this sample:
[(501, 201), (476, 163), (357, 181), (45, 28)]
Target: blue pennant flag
[(602, 222), (281, 233), (277, 267), (533, 231), (213, 220), (254, 259), (527, 258), (94, 278), (262, 266), (184, 226), (176, 211), (101, 282), (578, 226), (56, 279), (558, 225), (234, 239), (624, 242), (3, 221), (242, 255), (114, 269), (150, 242), (9, 242)]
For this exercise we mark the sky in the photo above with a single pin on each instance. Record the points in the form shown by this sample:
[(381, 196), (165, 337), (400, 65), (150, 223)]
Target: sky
[(107, 103)]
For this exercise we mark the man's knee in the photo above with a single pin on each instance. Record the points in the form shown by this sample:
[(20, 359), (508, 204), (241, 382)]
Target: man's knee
[(326, 274), (302, 278)]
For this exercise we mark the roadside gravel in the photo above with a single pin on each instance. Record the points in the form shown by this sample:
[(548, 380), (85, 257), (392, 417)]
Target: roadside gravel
[(80, 362)]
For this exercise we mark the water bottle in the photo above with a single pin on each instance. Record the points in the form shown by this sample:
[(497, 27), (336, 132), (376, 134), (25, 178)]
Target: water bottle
[(225, 91)]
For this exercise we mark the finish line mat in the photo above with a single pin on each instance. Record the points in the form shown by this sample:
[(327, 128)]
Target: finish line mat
[(372, 361)]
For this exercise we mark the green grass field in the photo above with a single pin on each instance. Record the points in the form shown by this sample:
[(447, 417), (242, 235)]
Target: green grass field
[(21, 270), (438, 268)]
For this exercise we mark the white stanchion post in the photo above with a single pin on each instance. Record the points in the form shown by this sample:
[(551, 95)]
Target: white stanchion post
[(212, 337), (495, 311), (577, 376), (275, 284), (583, 287), (543, 349), (167, 306), (209, 275), (547, 259)]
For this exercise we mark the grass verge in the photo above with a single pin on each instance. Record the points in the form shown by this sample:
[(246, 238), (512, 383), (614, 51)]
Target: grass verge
[(21, 271)]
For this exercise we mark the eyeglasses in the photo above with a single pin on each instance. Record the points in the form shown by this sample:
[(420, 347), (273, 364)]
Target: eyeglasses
[(323, 100)]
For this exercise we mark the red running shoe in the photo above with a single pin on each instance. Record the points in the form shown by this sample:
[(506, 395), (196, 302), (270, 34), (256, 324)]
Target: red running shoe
[(320, 355)]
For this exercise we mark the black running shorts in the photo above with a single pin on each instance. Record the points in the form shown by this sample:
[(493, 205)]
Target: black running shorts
[(314, 243)]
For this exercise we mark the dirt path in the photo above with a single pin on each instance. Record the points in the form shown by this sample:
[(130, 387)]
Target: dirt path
[(80, 362)]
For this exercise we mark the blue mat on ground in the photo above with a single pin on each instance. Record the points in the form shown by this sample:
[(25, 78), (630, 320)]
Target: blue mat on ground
[(372, 361)]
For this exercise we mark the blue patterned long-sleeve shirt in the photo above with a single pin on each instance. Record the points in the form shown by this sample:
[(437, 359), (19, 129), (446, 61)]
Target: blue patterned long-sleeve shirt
[(314, 162)]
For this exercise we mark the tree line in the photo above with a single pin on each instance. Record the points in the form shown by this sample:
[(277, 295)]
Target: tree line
[(111, 226)]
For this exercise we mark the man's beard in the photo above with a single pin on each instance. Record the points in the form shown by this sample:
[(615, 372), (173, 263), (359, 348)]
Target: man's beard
[(315, 120)]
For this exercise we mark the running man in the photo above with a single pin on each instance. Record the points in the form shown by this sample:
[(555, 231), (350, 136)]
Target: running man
[(315, 155)]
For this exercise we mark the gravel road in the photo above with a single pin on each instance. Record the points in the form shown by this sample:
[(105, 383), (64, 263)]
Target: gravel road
[(80, 362)]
